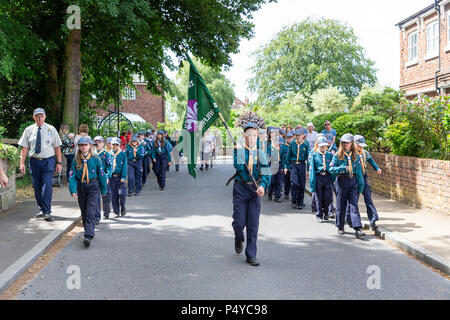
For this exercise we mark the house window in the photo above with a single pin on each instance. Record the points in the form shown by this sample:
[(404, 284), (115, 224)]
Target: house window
[(129, 94), (412, 46), (448, 29), (432, 38)]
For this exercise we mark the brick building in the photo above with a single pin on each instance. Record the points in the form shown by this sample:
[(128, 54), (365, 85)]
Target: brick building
[(420, 49), (238, 103), (141, 102)]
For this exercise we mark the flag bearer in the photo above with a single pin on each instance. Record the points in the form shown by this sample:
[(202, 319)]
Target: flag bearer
[(320, 179), (350, 181), (247, 196), (364, 158), (135, 154), (161, 158), (277, 155), (296, 158), (118, 178), (286, 171), (87, 181), (107, 166)]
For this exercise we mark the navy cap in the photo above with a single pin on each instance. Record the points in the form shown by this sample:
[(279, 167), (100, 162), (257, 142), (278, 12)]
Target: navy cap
[(161, 131), (249, 125), (134, 138), (360, 141), (298, 131), (348, 137), (140, 133), (84, 140), (115, 140), (38, 111), (289, 134), (322, 141)]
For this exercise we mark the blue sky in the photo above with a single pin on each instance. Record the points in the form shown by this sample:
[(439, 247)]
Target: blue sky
[(373, 22)]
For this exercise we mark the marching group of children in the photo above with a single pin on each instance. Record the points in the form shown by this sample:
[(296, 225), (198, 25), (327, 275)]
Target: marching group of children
[(340, 171), (103, 173)]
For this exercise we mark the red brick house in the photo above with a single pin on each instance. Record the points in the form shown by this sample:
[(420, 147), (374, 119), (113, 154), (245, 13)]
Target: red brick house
[(421, 50), (139, 101), (238, 103)]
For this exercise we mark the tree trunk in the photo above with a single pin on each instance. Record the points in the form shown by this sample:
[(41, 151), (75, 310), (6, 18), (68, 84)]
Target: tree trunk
[(54, 94), (73, 79)]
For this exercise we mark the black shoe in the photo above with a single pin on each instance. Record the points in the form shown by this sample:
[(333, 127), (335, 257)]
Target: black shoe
[(360, 234), (136, 194), (124, 212), (300, 207), (269, 197), (341, 231), (286, 197), (39, 215), (117, 215), (97, 223), (238, 246), (161, 188), (326, 217), (319, 219), (129, 194), (374, 226), (252, 261), (106, 217), (294, 206), (201, 168), (87, 242), (277, 200), (48, 217)]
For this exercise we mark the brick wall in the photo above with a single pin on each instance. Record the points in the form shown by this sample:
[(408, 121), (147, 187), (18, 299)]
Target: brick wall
[(421, 76), (422, 183), (151, 108)]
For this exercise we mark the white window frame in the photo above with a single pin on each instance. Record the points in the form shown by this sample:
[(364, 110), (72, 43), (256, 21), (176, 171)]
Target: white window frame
[(432, 42), (99, 120), (413, 59), (129, 94)]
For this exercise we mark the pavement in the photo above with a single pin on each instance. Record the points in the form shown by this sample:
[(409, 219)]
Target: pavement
[(173, 244)]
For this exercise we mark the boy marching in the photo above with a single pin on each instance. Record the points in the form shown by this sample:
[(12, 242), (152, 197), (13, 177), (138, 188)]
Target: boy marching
[(135, 155), (118, 178)]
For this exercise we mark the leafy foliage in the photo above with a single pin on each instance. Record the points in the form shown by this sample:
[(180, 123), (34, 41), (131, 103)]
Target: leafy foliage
[(404, 140), (311, 55), (11, 154), (329, 100)]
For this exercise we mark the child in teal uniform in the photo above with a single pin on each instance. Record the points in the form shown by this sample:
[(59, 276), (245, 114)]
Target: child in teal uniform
[(118, 178), (296, 158), (349, 183), (107, 166), (320, 179), (364, 158), (161, 158), (277, 152), (87, 180), (247, 196), (135, 155)]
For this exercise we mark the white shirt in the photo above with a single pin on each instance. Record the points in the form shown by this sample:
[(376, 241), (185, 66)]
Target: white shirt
[(311, 139), (49, 140)]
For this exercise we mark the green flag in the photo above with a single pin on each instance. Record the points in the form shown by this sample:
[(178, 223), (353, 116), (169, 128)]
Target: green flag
[(201, 113)]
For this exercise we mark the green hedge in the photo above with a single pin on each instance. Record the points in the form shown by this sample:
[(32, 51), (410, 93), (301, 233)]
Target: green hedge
[(11, 154)]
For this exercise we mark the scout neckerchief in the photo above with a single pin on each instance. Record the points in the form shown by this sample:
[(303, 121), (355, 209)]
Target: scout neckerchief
[(250, 157), (85, 168), (115, 156), (323, 159), (98, 152), (298, 147), (159, 145), (134, 149), (350, 167), (362, 157)]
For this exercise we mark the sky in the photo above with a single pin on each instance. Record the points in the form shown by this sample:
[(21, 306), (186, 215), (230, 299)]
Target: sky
[(373, 22)]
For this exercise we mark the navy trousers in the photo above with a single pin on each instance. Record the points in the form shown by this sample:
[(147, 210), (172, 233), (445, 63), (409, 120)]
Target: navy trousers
[(106, 201), (161, 168), (246, 210), (41, 176), (287, 183), (372, 213), (135, 176), (275, 184), (347, 190), (298, 181), (88, 194), (118, 195), (324, 195), (145, 168), (331, 207)]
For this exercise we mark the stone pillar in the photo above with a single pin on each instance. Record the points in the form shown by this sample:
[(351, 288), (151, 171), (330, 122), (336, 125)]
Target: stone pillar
[(8, 195)]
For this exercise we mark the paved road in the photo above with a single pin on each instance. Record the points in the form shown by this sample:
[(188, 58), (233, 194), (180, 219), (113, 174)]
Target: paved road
[(178, 244)]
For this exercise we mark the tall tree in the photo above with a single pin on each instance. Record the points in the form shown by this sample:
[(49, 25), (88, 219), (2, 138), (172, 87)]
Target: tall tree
[(308, 56), (118, 39)]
